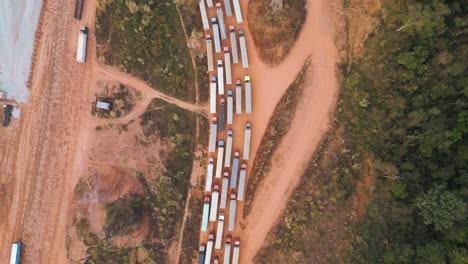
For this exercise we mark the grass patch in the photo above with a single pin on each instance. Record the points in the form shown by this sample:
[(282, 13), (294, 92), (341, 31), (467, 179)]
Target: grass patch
[(124, 215), (105, 253), (145, 38), (192, 231), (275, 31), (277, 128)]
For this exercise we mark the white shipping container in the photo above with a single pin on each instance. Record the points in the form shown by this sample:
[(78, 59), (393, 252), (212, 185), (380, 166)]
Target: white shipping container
[(82, 40), (209, 175), (248, 95), (236, 253), (222, 26), (214, 204), (202, 6), (238, 97), (227, 159), (220, 77), (209, 248), (243, 50), (247, 135), (237, 11), (213, 134), (209, 3), (227, 6), (219, 162), (217, 40), (235, 170), (213, 101), (232, 36), (227, 63), (242, 176), (219, 231), (209, 53), (227, 250), (224, 191), (230, 107), (232, 212)]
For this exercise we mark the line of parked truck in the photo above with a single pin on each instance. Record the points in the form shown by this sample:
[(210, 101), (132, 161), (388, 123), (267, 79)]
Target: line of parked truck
[(227, 167)]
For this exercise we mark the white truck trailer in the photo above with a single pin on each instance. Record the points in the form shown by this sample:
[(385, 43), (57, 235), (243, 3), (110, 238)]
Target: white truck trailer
[(232, 212), (219, 162), (209, 248), (230, 107), (232, 37), (219, 63), (204, 16), (238, 97), (227, 7), (224, 191), (222, 114), (235, 254), (214, 203), (227, 157), (209, 53), (242, 176), (219, 231), (235, 170), (227, 250), (227, 63), (247, 135), (243, 50), (209, 175), (15, 253), (213, 100), (237, 11), (222, 25), (248, 95), (206, 212), (209, 3), (217, 40), (213, 134), (82, 41)]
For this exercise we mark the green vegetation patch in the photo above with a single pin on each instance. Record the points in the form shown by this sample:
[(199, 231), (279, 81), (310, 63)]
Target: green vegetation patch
[(192, 231), (277, 128), (275, 27), (124, 215), (145, 38), (83, 230), (105, 253)]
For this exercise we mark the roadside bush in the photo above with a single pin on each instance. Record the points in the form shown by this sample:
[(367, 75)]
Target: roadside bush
[(124, 215)]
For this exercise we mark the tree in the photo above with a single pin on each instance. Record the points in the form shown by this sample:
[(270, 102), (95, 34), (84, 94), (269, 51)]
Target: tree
[(441, 208), (432, 253)]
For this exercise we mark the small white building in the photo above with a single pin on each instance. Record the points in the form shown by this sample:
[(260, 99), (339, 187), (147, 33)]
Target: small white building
[(102, 105)]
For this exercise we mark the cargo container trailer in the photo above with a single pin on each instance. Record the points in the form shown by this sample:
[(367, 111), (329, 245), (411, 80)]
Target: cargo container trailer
[(224, 191), (15, 253), (219, 162), (209, 53), (213, 134), (247, 135), (248, 95), (235, 168), (217, 40), (222, 114), (204, 16), (221, 24), (227, 65), (230, 107), (82, 41), (232, 212), (206, 212), (242, 177), (209, 175), (213, 101), (209, 248), (227, 157), (238, 97), (243, 50), (214, 203), (220, 77), (201, 254), (237, 11), (236, 252), (227, 250), (232, 37), (216, 260), (219, 232), (227, 7), (209, 3), (78, 8)]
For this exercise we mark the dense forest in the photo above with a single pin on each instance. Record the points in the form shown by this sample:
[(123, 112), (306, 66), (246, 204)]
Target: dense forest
[(405, 104)]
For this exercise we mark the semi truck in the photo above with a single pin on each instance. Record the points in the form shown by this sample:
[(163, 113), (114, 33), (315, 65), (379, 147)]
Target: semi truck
[(204, 16), (243, 50), (213, 100), (235, 254), (238, 97), (209, 248), (219, 63), (247, 134), (227, 250), (206, 211), (222, 114), (216, 260), (227, 63), (219, 162), (201, 254), (15, 253), (227, 6), (217, 40), (209, 53), (209, 3), (82, 41), (232, 212), (232, 37), (213, 134), (237, 11), (227, 157), (242, 176), (78, 8), (219, 231), (222, 25), (230, 107), (209, 175), (248, 95), (224, 191), (235, 170), (214, 203)]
